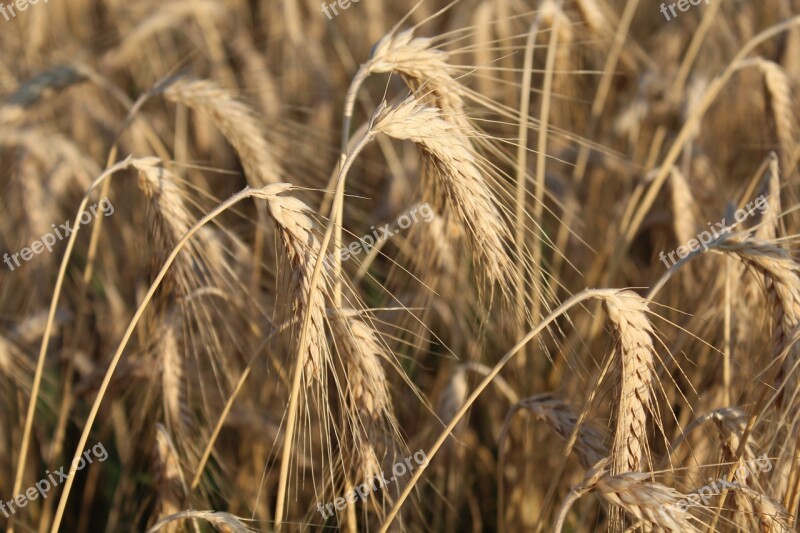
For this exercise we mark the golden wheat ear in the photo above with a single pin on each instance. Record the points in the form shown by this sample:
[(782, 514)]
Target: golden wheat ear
[(651, 504), (370, 420), (168, 482), (237, 122), (457, 171), (633, 332), (299, 234)]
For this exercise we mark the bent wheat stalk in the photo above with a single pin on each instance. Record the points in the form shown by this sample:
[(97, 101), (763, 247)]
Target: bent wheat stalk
[(431, 453)]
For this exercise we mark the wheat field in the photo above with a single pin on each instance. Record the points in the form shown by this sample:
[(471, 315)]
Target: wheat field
[(370, 266)]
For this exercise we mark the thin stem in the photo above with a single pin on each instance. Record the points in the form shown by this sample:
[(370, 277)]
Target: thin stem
[(571, 498), (726, 368), (541, 164), (522, 174)]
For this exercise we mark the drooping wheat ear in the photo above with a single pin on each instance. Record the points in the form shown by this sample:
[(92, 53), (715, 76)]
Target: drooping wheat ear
[(237, 122), (452, 398), (420, 63), (53, 149), (169, 15), (783, 292), (652, 504), (732, 422), (683, 207), (457, 171), (161, 188), (594, 17), (772, 516), (300, 237), (224, 522), (257, 74), (171, 219), (562, 418), (770, 225), (170, 488), (59, 77), (38, 202), (633, 331), (781, 102), (15, 367), (367, 390)]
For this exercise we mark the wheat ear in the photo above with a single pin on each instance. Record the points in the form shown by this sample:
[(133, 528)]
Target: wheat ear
[(783, 290), (367, 388), (299, 234), (653, 504), (168, 481), (781, 102), (562, 419), (237, 122), (626, 311), (457, 170)]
